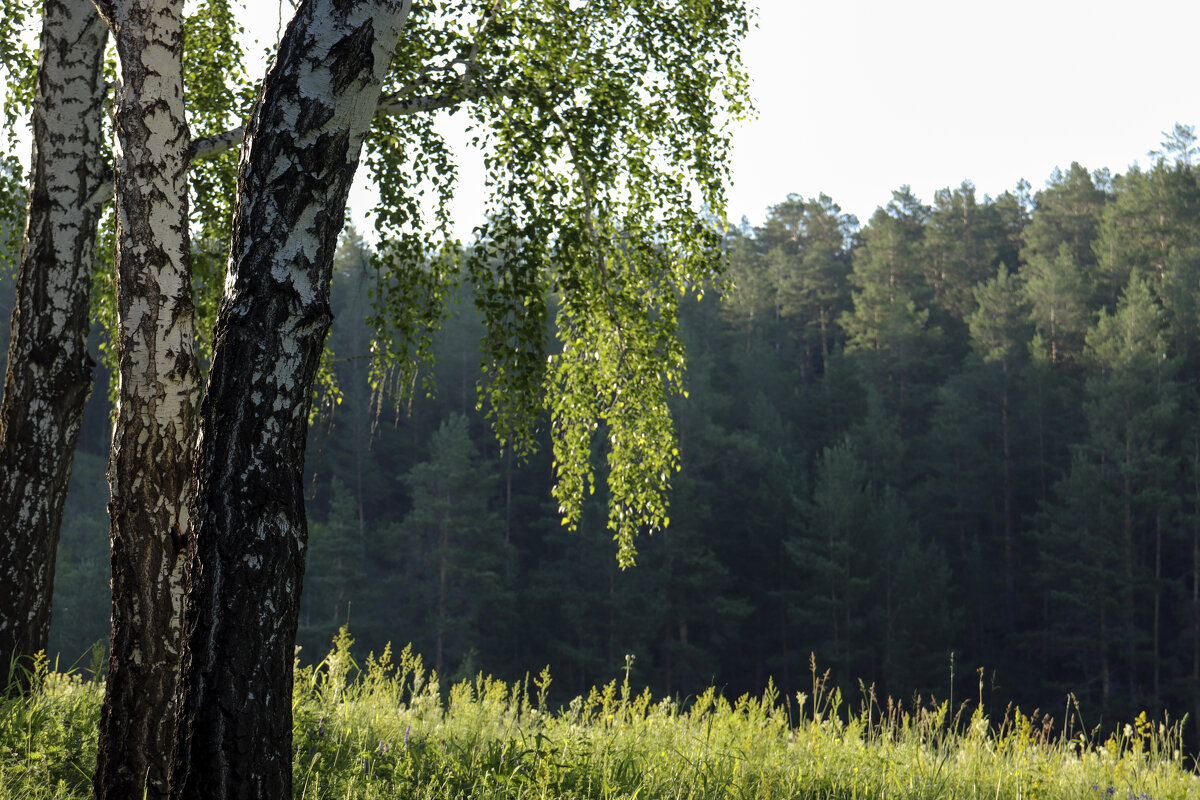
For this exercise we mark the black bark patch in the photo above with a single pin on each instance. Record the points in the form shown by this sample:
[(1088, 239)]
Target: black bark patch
[(351, 58)]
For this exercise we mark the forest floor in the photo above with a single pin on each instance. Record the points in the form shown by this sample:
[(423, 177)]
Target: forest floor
[(386, 729)]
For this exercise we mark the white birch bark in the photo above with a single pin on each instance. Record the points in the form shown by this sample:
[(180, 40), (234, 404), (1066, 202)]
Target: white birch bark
[(151, 457), (234, 730), (49, 372)]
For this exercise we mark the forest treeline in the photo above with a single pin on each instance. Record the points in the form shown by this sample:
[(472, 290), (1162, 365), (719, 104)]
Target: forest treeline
[(953, 450)]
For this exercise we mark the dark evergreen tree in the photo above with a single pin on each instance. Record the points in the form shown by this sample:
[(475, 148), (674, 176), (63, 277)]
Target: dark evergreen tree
[(337, 571), (959, 250), (1058, 295), (834, 555), (457, 545), (896, 350), (1068, 212), (999, 333), (1154, 216)]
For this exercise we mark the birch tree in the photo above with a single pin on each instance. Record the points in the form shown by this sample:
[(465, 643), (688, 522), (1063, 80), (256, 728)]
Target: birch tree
[(49, 372), (604, 141), (604, 126), (233, 736), (157, 386)]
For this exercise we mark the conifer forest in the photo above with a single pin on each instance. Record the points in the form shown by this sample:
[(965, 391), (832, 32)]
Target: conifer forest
[(952, 450)]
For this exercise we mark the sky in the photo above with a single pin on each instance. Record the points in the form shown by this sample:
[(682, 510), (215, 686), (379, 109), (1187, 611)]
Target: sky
[(857, 97)]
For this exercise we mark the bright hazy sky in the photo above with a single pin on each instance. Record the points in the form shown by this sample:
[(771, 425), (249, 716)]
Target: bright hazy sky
[(857, 97)]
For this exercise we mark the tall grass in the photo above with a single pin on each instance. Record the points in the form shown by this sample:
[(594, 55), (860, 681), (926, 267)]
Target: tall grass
[(388, 730)]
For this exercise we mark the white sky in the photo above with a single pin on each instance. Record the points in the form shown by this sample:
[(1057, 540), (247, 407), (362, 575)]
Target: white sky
[(857, 97)]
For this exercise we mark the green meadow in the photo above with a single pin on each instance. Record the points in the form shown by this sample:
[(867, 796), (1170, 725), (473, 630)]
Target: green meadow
[(386, 728)]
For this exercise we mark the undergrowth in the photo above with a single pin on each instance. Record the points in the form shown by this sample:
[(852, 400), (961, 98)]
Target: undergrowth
[(387, 729)]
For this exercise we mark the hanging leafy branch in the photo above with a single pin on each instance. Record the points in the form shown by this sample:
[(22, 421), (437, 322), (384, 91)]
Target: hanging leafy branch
[(605, 132)]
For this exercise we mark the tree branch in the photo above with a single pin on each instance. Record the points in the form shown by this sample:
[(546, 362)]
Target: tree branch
[(421, 103), (396, 104), (105, 9), (393, 106), (214, 145)]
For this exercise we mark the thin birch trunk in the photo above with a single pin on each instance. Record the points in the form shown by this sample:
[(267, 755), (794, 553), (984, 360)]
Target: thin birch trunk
[(151, 457), (49, 372)]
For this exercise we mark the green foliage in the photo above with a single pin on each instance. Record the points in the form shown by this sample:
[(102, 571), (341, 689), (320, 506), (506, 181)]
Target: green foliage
[(605, 137), (336, 579), (48, 738), (999, 332), (1058, 297), (18, 60), (18, 63), (456, 570), (219, 98), (1067, 212)]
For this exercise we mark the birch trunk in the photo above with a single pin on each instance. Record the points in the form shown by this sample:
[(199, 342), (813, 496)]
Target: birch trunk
[(49, 372), (233, 735), (151, 457)]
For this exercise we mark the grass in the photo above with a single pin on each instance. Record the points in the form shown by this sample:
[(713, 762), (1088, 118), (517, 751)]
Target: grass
[(388, 730)]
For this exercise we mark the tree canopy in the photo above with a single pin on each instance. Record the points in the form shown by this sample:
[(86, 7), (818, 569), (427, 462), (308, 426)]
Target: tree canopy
[(605, 132)]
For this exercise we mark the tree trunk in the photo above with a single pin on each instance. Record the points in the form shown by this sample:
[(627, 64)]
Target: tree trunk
[(49, 372), (443, 548), (150, 461), (233, 734), (1129, 590), (1195, 606), (1010, 582)]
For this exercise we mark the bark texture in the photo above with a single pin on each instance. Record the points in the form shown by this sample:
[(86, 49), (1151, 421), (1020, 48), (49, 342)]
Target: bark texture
[(150, 462), (49, 371), (246, 555)]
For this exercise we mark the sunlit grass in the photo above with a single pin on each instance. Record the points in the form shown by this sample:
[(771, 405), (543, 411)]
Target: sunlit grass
[(388, 730)]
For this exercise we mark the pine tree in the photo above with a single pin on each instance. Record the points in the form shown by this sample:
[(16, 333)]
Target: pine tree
[(958, 250), (1058, 295), (999, 335), (1114, 505), (832, 553), (336, 575), (916, 628), (461, 543), (1153, 218), (1131, 410), (1068, 212), (895, 347)]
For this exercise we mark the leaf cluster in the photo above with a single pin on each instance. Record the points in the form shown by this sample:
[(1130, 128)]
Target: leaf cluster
[(604, 128)]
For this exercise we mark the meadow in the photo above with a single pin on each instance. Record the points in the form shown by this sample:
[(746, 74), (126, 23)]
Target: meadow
[(385, 728)]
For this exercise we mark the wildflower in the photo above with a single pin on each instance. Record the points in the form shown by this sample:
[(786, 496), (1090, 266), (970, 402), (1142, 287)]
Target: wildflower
[(406, 730)]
